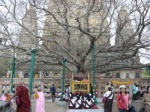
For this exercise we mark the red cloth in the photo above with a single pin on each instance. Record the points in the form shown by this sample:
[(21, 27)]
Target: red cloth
[(23, 94)]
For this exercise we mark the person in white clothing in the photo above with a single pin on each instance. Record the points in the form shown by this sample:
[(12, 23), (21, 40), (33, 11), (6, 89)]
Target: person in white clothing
[(67, 94), (4, 87), (109, 100), (69, 89)]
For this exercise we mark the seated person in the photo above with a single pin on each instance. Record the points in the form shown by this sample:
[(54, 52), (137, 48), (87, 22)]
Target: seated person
[(82, 97), (78, 103), (72, 102), (5, 96), (70, 95), (78, 92), (88, 104), (92, 99)]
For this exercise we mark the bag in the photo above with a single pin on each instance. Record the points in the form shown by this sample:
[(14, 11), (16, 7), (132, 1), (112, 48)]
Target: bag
[(142, 109), (131, 109), (17, 100), (105, 98)]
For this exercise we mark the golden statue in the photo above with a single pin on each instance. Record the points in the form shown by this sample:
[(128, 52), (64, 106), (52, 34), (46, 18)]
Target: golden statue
[(36, 76)]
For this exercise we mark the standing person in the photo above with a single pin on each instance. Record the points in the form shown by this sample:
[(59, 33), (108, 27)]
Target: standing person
[(134, 89), (142, 92), (109, 100), (22, 93), (69, 89), (106, 87), (40, 101), (91, 89), (122, 99), (53, 90), (146, 100), (112, 87), (137, 93), (67, 93)]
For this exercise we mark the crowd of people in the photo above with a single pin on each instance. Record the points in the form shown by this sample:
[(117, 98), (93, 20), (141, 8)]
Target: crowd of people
[(81, 100), (22, 99), (123, 99), (138, 92)]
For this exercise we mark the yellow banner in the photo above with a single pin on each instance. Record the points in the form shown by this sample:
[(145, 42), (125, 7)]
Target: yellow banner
[(122, 83)]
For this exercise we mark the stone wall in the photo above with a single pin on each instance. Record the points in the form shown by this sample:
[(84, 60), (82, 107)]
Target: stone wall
[(47, 82)]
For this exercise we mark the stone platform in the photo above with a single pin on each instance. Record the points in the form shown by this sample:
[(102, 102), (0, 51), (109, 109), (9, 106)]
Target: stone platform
[(5, 107)]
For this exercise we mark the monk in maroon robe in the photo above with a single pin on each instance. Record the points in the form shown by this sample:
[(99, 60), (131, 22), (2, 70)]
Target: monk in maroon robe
[(23, 94)]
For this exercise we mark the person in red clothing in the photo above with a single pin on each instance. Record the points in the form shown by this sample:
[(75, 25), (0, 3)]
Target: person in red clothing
[(23, 93), (122, 99)]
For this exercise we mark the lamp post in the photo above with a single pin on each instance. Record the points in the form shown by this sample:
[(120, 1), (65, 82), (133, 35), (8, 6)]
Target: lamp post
[(63, 78), (13, 71), (32, 69), (94, 73)]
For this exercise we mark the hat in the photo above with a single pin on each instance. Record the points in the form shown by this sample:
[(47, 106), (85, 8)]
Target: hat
[(122, 86)]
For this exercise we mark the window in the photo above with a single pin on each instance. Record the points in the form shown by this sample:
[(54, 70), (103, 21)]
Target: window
[(26, 75), (127, 75), (137, 75), (107, 74), (56, 74), (102, 87), (36, 75), (102, 82), (117, 75)]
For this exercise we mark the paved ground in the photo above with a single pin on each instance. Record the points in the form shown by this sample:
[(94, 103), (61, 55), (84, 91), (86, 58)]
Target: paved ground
[(58, 106), (136, 104), (49, 107)]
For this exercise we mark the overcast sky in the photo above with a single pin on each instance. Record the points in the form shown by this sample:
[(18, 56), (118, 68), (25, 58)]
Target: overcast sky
[(112, 41)]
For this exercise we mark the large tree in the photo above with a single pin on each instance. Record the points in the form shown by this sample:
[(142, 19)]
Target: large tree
[(70, 28)]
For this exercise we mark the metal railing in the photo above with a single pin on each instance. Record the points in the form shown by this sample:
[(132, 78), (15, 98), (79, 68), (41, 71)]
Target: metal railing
[(6, 107)]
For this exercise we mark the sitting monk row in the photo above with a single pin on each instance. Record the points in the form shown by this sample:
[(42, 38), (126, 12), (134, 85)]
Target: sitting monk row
[(81, 94), (81, 102)]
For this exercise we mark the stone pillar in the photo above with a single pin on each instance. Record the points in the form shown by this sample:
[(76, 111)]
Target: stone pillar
[(130, 91), (1, 87), (40, 74), (42, 85), (21, 75)]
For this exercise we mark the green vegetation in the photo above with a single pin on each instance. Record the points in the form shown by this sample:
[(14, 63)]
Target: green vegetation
[(5, 65), (146, 72)]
